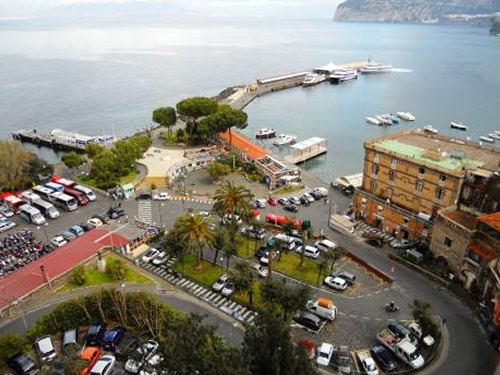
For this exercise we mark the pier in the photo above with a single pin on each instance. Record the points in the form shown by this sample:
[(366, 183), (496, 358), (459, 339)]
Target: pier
[(308, 149)]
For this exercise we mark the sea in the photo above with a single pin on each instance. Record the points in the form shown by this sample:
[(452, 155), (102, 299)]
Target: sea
[(107, 78)]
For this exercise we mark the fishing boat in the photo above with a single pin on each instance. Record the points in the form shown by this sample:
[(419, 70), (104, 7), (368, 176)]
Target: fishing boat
[(265, 133), (407, 116), (486, 139), (494, 136), (284, 139), (458, 126), (430, 129), (373, 120)]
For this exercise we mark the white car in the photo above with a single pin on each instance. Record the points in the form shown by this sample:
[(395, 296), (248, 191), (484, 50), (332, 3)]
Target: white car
[(150, 255), (45, 348), (265, 258), (294, 200), (104, 366), (309, 197), (325, 245), (260, 203), (161, 197), (58, 241), (261, 270), (5, 211), (228, 289), (335, 283), (369, 366), (6, 225), (309, 251), (321, 191), (220, 283), (160, 259), (95, 222), (325, 354)]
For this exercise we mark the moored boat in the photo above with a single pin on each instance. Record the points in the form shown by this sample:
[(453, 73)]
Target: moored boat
[(430, 129), (312, 79), (487, 139), (265, 133), (342, 75), (494, 136), (407, 116), (373, 120), (458, 126), (375, 67), (284, 139)]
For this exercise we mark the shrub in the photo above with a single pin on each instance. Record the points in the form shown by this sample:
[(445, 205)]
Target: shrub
[(116, 268), (79, 275), (216, 170), (153, 186), (11, 345)]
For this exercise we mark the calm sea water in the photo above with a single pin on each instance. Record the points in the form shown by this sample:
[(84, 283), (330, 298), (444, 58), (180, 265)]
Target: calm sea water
[(103, 79)]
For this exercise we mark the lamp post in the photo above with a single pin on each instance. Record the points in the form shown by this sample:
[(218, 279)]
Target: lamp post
[(161, 215)]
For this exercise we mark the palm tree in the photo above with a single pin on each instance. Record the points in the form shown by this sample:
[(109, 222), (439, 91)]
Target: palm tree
[(335, 254), (233, 200), (229, 251), (194, 229), (322, 266), (243, 279), (305, 236), (219, 242)]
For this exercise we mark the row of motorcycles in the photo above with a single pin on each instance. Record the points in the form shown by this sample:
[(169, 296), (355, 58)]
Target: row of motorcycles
[(18, 249)]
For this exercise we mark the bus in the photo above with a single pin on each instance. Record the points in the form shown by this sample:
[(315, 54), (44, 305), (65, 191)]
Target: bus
[(78, 195), (47, 209), (64, 201), (44, 192), (12, 201), (63, 181), (54, 187), (85, 190), (31, 214)]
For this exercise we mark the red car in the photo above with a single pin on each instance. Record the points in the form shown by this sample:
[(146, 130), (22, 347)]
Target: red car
[(272, 201), (90, 356)]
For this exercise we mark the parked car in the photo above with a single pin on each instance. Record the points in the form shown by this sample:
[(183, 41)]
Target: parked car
[(384, 358), (6, 225), (45, 348), (304, 200), (90, 356), (259, 203), (23, 364), (115, 212), (375, 242), (315, 195), (161, 197), (142, 354), (67, 235), (272, 201), (294, 200), (104, 366), (346, 275), (160, 259), (95, 334), (401, 331), (283, 201), (321, 190), (308, 320), (335, 283), (77, 230), (70, 339), (113, 337), (58, 241), (104, 218), (291, 208), (369, 366), (229, 218), (261, 270), (401, 244), (150, 255), (220, 283), (325, 354), (6, 212), (86, 226), (143, 195), (265, 258), (261, 252), (96, 223), (228, 289), (309, 251), (309, 197), (127, 345), (253, 232)]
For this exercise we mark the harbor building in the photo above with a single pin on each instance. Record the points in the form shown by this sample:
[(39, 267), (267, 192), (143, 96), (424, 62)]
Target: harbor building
[(408, 177)]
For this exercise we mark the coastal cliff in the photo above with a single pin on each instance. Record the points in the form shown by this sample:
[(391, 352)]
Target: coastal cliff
[(418, 11), (495, 28)]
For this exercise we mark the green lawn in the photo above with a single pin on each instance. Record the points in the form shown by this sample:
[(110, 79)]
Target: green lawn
[(246, 246), (206, 275), (86, 180), (128, 178), (288, 190), (242, 298), (289, 265), (94, 277), (123, 180)]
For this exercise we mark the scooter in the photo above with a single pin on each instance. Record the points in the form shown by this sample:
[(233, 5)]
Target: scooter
[(391, 307)]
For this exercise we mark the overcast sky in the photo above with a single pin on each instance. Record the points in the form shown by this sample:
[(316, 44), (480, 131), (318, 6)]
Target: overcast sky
[(10, 9)]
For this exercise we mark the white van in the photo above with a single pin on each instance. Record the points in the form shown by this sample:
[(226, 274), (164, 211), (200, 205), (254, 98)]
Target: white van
[(325, 245), (47, 209), (288, 242), (323, 307), (29, 197), (85, 190), (309, 251), (44, 192), (31, 214)]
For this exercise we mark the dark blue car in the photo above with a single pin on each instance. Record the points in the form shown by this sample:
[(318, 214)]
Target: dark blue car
[(384, 358), (113, 337)]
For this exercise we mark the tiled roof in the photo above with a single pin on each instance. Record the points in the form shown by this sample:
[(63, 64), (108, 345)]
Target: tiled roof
[(493, 220), (483, 251), (244, 145)]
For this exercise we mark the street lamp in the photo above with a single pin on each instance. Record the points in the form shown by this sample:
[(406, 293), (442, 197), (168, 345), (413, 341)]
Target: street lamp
[(161, 216)]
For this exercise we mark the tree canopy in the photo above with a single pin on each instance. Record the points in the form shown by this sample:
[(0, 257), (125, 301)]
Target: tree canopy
[(287, 298), (197, 107), (72, 160), (165, 116), (232, 199)]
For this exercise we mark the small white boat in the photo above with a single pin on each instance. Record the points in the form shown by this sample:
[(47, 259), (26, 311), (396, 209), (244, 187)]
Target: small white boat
[(312, 79), (384, 119), (343, 75), (459, 126), (487, 139), (497, 132), (373, 120), (265, 133), (375, 67), (284, 139), (494, 136), (407, 116), (430, 129)]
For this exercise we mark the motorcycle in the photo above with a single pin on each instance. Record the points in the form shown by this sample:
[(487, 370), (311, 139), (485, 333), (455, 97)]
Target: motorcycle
[(391, 307)]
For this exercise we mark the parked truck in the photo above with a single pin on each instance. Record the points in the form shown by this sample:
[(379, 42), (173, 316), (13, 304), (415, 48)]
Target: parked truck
[(402, 348), (323, 307)]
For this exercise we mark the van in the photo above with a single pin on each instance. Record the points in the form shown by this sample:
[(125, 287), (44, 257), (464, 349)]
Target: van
[(85, 190), (325, 245), (309, 251), (323, 307), (43, 192), (54, 186), (406, 351), (414, 256), (47, 209), (31, 214), (29, 197), (289, 243)]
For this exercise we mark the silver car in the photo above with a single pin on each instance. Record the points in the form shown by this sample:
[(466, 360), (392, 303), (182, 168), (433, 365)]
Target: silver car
[(220, 283)]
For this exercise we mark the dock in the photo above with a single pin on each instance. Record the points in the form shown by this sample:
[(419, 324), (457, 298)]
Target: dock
[(308, 149)]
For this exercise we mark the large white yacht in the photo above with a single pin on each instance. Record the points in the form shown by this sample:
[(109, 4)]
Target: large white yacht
[(312, 79), (341, 75), (375, 67)]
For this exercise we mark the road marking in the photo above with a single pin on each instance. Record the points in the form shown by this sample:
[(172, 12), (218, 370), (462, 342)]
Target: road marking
[(221, 302), (353, 316), (232, 305), (365, 317)]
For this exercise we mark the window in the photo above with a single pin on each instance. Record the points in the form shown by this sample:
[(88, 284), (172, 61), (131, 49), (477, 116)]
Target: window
[(373, 186), (421, 170), (466, 192), (394, 163), (439, 193), (447, 242), (376, 158), (419, 186), (375, 169), (442, 178), (389, 193), (475, 257), (406, 222), (392, 175)]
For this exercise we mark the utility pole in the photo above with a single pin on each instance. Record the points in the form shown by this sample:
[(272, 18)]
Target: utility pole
[(45, 276)]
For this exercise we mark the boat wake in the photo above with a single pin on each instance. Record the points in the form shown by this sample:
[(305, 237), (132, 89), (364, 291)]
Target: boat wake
[(399, 70)]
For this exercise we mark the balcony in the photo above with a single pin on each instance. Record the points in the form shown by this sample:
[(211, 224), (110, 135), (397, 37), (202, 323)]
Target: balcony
[(441, 183), (420, 176)]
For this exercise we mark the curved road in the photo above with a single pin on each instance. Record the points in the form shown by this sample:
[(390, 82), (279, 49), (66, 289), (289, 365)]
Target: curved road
[(232, 331)]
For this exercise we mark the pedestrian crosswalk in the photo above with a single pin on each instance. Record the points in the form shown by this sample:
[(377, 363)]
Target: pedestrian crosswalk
[(367, 228), (189, 199), (221, 302), (144, 211)]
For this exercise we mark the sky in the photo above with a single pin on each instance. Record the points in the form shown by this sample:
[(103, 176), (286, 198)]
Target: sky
[(11, 10)]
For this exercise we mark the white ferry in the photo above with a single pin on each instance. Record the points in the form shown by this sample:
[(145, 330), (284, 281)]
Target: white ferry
[(375, 67), (342, 75)]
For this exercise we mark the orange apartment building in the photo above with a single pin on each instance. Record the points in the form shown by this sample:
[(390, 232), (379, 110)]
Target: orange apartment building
[(409, 176)]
